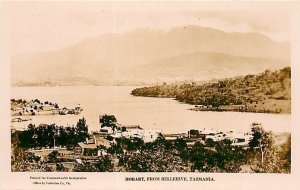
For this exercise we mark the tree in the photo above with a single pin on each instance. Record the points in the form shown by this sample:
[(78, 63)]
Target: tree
[(108, 121), (104, 164), (209, 142), (260, 140), (285, 155), (52, 157), (60, 167), (85, 167), (265, 155), (56, 106), (180, 144), (81, 130), (37, 101)]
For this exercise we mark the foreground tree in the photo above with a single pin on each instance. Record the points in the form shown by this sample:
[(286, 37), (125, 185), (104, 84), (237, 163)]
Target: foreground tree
[(261, 140), (285, 154), (266, 157)]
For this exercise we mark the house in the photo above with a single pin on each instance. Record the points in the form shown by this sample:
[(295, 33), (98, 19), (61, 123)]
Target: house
[(207, 133), (47, 107), (132, 134), (92, 146), (174, 137), (239, 139), (117, 134), (216, 136), (86, 149), (106, 130), (151, 135), (131, 127), (170, 137), (101, 141), (63, 111), (132, 131)]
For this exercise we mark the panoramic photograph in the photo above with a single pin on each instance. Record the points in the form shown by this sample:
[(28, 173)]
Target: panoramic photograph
[(125, 87)]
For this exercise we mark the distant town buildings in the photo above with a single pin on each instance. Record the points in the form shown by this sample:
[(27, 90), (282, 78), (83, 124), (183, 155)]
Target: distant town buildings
[(36, 107)]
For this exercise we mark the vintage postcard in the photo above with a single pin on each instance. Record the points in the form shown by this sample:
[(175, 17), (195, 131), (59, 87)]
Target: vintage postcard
[(149, 95)]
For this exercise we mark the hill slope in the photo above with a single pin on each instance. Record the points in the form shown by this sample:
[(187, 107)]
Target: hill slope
[(266, 92)]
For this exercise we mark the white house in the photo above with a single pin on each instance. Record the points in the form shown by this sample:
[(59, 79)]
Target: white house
[(132, 131), (47, 107), (151, 135), (240, 139)]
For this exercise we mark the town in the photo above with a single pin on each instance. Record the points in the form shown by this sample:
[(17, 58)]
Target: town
[(22, 107), (116, 147)]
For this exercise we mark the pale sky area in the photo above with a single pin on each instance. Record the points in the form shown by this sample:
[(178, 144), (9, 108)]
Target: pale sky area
[(36, 26)]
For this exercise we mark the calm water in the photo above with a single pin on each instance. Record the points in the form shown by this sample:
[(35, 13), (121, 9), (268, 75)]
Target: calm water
[(150, 113)]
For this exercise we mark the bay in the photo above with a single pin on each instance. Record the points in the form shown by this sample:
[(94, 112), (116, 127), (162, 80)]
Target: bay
[(165, 114)]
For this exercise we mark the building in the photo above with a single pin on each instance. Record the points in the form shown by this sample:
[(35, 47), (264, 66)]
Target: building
[(151, 135), (131, 128), (239, 139), (132, 131), (101, 141), (174, 137), (106, 130), (86, 149), (92, 146), (47, 107)]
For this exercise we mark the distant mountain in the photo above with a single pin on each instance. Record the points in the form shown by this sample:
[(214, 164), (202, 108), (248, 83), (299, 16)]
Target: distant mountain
[(204, 66), (148, 56)]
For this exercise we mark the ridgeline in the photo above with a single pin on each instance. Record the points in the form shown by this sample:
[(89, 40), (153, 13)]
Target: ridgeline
[(267, 92)]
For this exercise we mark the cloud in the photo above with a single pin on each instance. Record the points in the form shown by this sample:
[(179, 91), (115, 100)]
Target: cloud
[(273, 23), (36, 26)]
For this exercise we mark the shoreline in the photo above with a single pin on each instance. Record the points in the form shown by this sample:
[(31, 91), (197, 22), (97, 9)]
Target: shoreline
[(242, 111)]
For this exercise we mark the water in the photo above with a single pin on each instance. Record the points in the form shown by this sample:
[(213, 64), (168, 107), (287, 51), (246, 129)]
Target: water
[(150, 113)]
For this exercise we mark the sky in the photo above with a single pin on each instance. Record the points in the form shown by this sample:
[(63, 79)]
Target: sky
[(46, 26)]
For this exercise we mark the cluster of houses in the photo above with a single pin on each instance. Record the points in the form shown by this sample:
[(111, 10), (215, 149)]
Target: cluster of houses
[(100, 138), (36, 107), (131, 132), (98, 142), (237, 138)]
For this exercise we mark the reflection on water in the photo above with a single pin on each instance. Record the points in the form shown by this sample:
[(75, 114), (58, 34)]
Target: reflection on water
[(151, 113)]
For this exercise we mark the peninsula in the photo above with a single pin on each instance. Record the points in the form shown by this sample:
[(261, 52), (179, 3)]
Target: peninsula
[(267, 92)]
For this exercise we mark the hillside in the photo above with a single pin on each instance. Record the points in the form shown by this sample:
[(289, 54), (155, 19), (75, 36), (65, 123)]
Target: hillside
[(146, 56), (204, 66), (268, 92)]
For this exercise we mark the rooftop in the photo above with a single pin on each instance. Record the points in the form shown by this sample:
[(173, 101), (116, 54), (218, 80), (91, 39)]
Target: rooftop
[(88, 146)]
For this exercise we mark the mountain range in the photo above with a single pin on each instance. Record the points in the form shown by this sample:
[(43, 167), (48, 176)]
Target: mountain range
[(145, 56)]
